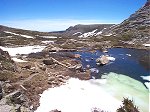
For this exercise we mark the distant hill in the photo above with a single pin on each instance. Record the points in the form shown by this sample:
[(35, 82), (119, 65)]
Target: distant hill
[(83, 30)]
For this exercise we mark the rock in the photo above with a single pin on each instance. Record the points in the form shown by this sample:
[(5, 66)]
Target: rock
[(94, 70), (27, 67), (6, 108), (102, 60), (5, 55), (77, 55), (6, 63), (48, 61), (55, 110), (51, 78), (42, 67), (77, 67), (1, 92), (16, 97)]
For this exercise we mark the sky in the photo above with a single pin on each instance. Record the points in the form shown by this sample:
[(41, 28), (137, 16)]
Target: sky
[(56, 15)]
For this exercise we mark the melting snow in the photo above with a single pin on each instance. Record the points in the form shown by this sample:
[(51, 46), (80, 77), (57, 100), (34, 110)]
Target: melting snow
[(18, 60), (146, 45), (88, 34), (147, 83), (23, 50), (77, 33), (26, 36), (106, 94), (53, 37), (48, 42)]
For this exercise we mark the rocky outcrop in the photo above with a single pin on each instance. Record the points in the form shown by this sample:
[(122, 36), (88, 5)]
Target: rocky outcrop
[(13, 102), (135, 29), (78, 30), (6, 63)]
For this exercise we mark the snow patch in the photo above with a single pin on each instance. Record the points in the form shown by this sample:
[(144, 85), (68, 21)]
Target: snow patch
[(77, 96), (77, 33), (48, 42), (146, 45), (88, 34), (22, 50), (146, 78), (108, 34), (18, 60), (26, 36), (107, 93), (52, 37)]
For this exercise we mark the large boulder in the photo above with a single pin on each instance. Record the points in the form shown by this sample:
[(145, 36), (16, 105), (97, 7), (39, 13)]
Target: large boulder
[(102, 60), (49, 61), (6, 63)]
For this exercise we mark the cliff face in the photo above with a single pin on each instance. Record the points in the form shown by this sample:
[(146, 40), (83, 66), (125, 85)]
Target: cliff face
[(136, 27)]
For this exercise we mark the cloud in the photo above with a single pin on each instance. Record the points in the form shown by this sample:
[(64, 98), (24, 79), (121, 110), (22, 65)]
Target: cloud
[(50, 24)]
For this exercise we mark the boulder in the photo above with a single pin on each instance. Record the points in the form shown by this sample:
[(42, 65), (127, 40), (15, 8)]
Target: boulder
[(6, 63), (48, 61), (16, 97), (102, 60)]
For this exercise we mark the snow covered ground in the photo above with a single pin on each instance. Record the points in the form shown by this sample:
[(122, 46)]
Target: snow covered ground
[(88, 34), (147, 83), (52, 37), (18, 60), (146, 45), (26, 36), (105, 94), (13, 51), (48, 42)]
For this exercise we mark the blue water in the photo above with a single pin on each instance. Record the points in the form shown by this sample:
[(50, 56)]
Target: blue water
[(130, 62)]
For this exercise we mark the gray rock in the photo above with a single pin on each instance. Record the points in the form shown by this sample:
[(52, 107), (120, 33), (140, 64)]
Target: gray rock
[(16, 97), (102, 60), (48, 61)]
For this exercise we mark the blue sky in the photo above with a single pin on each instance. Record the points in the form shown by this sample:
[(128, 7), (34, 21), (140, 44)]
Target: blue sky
[(51, 15)]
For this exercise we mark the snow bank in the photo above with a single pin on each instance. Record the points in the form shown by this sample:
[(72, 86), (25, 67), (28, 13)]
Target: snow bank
[(26, 36), (77, 33), (106, 94), (52, 37), (92, 33), (77, 96), (146, 45), (18, 60), (48, 42), (147, 83), (23, 50)]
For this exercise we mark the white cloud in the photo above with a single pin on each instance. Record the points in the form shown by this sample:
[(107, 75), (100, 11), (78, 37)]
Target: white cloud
[(50, 24)]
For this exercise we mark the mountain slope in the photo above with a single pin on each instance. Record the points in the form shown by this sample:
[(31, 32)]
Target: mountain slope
[(136, 27), (83, 30)]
